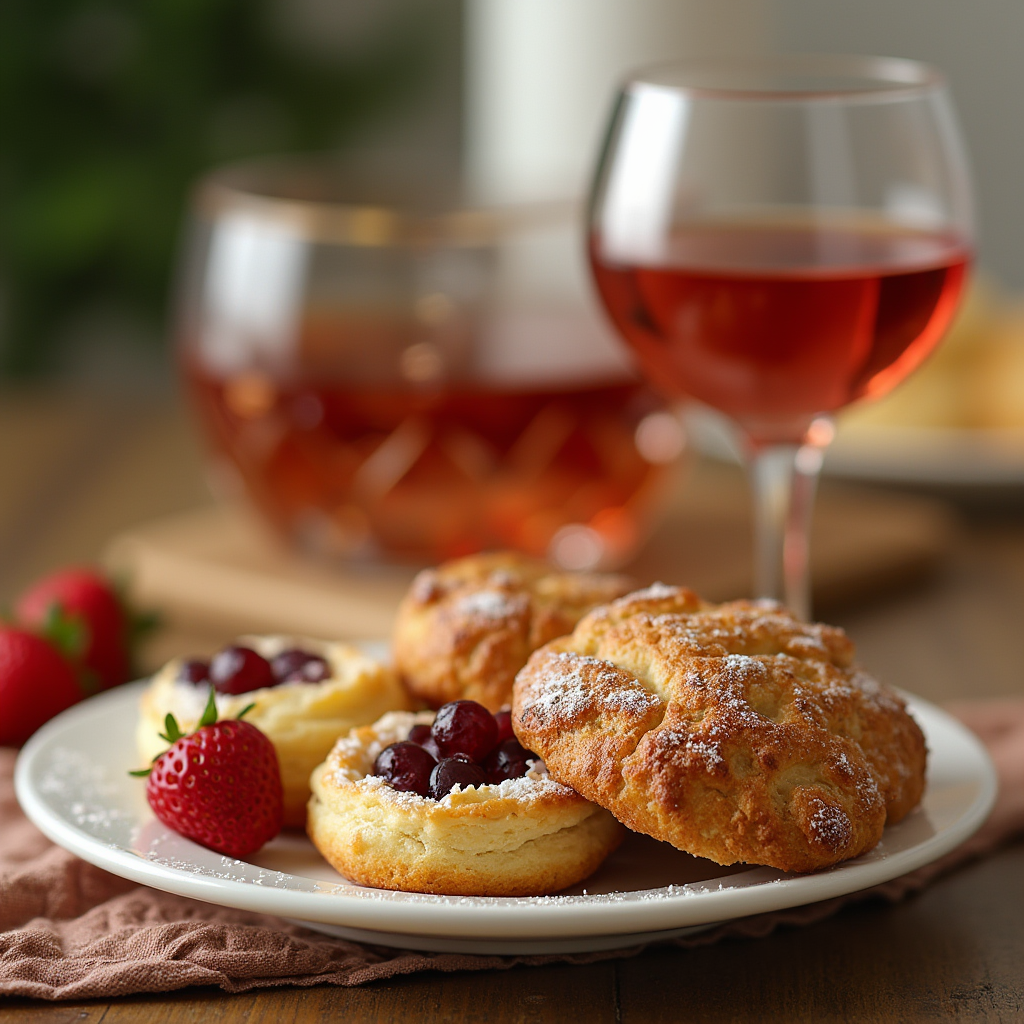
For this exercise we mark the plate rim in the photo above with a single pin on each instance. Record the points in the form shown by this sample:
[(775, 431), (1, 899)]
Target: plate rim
[(520, 917)]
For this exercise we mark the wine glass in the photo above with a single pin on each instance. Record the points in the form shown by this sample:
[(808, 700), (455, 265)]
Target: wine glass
[(779, 237)]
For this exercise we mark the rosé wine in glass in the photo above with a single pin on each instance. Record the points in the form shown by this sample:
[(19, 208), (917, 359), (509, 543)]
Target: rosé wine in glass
[(776, 323)]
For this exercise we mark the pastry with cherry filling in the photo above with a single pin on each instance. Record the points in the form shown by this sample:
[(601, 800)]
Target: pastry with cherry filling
[(452, 804), (304, 692)]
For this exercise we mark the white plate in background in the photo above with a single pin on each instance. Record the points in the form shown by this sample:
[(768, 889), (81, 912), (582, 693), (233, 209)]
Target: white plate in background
[(930, 456), (924, 456)]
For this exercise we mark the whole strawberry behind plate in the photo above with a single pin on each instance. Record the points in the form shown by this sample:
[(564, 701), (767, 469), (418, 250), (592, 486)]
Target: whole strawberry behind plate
[(82, 599), (27, 661), (72, 781)]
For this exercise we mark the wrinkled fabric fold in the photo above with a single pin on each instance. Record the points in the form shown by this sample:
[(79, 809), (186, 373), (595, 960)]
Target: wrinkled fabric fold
[(69, 930)]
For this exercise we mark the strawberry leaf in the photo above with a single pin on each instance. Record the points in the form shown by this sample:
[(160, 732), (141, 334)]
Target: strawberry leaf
[(173, 731), (248, 707), (209, 712), (68, 633)]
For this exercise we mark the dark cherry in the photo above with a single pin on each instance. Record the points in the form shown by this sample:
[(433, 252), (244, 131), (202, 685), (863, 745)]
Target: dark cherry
[(194, 671), (406, 766), (454, 771), (504, 720), (239, 670), (297, 666), (508, 761), (419, 734), (464, 727)]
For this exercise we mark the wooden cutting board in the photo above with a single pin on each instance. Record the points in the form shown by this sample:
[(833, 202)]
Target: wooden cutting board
[(215, 572)]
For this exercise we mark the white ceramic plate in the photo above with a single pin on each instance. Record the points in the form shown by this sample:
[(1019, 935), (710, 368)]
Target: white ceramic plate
[(72, 782)]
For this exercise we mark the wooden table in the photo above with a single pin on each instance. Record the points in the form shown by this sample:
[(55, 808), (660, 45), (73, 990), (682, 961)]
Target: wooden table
[(76, 471)]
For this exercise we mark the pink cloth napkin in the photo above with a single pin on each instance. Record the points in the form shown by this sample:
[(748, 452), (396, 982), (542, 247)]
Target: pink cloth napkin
[(71, 931)]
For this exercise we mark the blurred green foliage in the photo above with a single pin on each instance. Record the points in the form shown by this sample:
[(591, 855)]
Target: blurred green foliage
[(109, 110)]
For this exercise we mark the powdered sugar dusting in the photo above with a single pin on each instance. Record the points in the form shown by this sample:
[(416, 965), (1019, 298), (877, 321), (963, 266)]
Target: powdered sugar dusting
[(491, 604), (354, 756), (830, 825), (655, 592), (573, 684), (87, 795), (632, 700), (535, 785), (426, 587), (704, 748), (740, 668), (707, 750)]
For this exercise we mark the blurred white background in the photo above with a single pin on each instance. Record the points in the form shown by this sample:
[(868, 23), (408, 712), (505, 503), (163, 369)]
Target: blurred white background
[(111, 119), (540, 76)]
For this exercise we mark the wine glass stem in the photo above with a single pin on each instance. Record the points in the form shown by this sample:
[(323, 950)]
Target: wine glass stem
[(785, 478)]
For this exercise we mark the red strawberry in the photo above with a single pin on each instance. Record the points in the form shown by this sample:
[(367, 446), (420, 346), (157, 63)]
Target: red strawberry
[(82, 600), (35, 684), (220, 785)]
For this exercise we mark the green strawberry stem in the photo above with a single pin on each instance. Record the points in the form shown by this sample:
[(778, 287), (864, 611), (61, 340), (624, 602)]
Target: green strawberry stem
[(68, 633), (209, 712), (172, 731)]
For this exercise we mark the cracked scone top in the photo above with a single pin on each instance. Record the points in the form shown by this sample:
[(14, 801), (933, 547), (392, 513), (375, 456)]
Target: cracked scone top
[(734, 732), (467, 627)]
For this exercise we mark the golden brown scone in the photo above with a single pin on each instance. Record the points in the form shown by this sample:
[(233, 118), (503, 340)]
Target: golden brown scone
[(467, 627), (523, 837), (734, 732), (302, 720)]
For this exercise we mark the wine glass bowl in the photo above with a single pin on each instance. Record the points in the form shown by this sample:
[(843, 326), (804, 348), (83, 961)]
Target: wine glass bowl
[(778, 238)]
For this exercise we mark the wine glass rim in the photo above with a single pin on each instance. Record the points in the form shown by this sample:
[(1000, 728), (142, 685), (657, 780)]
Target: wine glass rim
[(794, 77), (294, 191)]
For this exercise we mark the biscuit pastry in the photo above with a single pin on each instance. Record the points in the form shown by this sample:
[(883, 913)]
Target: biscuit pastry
[(522, 837), (734, 732), (467, 627), (301, 719)]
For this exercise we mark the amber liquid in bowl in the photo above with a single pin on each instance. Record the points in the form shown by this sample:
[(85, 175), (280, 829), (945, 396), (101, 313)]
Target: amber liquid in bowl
[(438, 470)]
